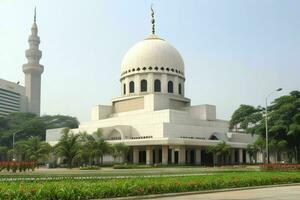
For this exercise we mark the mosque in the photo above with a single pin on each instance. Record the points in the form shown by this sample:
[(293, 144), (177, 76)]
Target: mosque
[(154, 117)]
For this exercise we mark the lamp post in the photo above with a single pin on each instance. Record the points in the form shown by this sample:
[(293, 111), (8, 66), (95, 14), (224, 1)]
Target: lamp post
[(266, 118), (14, 134)]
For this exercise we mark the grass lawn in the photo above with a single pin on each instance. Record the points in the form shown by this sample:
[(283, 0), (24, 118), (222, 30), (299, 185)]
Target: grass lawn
[(131, 186), (110, 172)]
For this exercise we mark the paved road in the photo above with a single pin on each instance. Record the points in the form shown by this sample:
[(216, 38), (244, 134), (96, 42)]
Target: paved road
[(274, 193)]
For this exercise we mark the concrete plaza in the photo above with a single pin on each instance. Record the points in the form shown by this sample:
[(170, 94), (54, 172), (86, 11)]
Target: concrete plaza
[(272, 193)]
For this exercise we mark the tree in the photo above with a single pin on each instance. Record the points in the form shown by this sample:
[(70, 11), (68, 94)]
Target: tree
[(36, 150), (119, 150), (3, 123), (277, 146), (245, 117), (59, 121), (93, 147), (88, 148), (101, 146), (3, 153), (27, 125), (68, 146), (252, 150), (283, 122), (222, 150)]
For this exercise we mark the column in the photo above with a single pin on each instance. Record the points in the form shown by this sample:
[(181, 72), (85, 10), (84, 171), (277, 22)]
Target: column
[(232, 153), (188, 156), (215, 159), (149, 155), (247, 158), (164, 83), (135, 155), (164, 153), (150, 83), (259, 157), (182, 159), (182, 88), (137, 84), (156, 156), (176, 82), (173, 156), (126, 81), (198, 156), (240, 156)]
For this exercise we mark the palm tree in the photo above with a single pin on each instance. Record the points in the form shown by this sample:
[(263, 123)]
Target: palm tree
[(87, 150), (119, 150), (68, 146), (101, 146), (221, 150), (36, 150)]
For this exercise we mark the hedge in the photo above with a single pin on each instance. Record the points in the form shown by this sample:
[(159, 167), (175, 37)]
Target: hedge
[(280, 167), (92, 189), (15, 166)]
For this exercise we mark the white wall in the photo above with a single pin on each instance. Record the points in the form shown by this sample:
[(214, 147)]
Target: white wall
[(100, 112)]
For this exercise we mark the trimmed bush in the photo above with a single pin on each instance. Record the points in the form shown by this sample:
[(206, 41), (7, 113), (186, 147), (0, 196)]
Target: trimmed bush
[(90, 168), (15, 166), (125, 166), (280, 167)]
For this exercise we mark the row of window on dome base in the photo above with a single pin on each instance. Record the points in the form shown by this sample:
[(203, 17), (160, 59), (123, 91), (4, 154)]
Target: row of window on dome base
[(157, 87), (155, 68)]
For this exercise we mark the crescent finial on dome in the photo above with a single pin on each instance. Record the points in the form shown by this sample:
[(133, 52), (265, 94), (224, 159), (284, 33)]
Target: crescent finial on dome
[(152, 20)]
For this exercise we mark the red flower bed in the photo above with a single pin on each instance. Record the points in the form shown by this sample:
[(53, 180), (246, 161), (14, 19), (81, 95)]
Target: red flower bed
[(15, 166), (280, 167)]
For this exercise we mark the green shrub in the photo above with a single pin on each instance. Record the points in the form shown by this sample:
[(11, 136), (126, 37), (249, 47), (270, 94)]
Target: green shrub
[(280, 167), (90, 168), (109, 188), (126, 166)]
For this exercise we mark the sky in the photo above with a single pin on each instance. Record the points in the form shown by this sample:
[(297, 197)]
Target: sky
[(235, 51)]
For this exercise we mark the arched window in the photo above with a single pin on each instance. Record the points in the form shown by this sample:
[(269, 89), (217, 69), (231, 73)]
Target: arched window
[(213, 137), (170, 87), (179, 89), (143, 85), (131, 87), (157, 86), (124, 88)]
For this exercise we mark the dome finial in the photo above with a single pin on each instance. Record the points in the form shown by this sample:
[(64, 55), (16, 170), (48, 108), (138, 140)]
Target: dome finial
[(152, 20), (34, 19)]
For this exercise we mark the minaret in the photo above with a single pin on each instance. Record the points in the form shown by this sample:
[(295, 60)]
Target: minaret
[(33, 71)]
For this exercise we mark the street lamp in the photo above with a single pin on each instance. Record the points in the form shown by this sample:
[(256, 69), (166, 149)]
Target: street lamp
[(266, 118), (14, 159)]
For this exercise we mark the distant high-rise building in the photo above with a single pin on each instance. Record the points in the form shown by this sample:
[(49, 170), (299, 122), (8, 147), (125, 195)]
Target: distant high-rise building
[(17, 98), (12, 98)]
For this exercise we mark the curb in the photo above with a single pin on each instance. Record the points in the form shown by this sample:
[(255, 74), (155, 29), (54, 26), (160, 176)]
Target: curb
[(156, 196)]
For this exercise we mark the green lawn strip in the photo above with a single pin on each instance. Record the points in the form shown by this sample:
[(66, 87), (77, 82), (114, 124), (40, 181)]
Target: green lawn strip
[(92, 189), (80, 178), (42, 177), (119, 172)]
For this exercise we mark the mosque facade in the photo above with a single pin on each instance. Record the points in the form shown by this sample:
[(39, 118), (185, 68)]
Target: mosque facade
[(153, 116)]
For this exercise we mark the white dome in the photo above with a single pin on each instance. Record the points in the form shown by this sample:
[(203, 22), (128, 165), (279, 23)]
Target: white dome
[(152, 53)]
